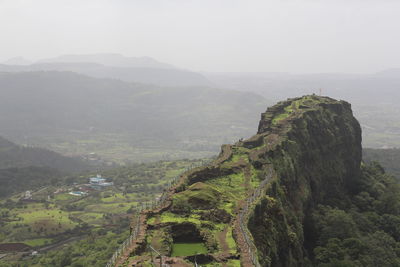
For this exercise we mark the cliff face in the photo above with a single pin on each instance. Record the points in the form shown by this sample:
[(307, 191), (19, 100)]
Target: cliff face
[(316, 160), (307, 152)]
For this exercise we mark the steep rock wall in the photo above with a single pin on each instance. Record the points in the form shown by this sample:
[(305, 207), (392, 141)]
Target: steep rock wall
[(316, 159), (307, 151)]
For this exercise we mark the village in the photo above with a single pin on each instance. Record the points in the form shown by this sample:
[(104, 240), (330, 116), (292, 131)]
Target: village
[(79, 190), (50, 218)]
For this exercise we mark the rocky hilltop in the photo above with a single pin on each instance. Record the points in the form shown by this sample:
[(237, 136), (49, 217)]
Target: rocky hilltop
[(316, 160), (254, 204)]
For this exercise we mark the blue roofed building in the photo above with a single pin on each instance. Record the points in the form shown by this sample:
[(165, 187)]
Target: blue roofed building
[(99, 181)]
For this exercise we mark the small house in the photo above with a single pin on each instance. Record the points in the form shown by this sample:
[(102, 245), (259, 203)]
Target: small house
[(98, 182)]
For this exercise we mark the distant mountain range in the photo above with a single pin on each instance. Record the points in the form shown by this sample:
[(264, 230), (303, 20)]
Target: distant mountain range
[(114, 66), (111, 60), (17, 61), (373, 96), (55, 107)]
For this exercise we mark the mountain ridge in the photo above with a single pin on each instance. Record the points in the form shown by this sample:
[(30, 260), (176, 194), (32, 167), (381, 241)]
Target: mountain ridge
[(57, 109), (114, 66), (110, 59), (312, 144)]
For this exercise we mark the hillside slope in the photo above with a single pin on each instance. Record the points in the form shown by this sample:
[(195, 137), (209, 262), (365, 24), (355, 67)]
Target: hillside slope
[(14, 156), (283, 197), (76, 114), (29, 168), (16, 180)]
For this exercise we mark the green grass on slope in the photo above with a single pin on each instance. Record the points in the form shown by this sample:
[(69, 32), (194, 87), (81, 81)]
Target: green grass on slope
[(37, 242), (188, 249)]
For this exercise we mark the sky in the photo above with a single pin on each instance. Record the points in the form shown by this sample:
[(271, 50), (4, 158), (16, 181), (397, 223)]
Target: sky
[(297, 36)]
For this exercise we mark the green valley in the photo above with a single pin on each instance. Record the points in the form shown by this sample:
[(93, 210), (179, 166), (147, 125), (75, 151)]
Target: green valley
[(53, 220)]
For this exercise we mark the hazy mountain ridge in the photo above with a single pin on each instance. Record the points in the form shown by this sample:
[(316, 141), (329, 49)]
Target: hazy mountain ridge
[(55, 105), (115, 66), (17, 61), (373, 95), (111, 60)]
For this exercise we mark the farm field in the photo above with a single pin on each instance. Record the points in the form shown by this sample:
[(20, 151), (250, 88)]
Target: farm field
[(53, 216)]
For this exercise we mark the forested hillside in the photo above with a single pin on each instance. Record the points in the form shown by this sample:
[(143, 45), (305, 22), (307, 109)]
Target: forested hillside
[(361, 230), (14, 156), (19, 179), (29, 168)]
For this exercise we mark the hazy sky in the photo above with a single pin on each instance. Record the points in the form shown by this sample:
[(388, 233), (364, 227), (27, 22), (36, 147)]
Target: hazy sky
[(211, 35)]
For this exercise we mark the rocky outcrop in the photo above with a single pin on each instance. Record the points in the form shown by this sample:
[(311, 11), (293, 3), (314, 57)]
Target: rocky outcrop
[(316, 160), (311, 145)]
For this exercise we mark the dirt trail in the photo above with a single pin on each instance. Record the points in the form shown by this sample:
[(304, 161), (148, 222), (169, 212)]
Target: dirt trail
[(125, 256), (61, 243), (245, 257), (158, 219), (247, 178), (224, 244), (222, 241)]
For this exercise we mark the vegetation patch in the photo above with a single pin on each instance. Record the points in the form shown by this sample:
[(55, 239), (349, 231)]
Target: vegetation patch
[(197, 196), (94, 225), (38, 242), (231, 241), (188, 249), (233, 263)]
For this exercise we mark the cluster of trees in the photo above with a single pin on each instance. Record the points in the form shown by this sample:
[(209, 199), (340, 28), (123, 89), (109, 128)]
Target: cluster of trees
[(145, 177), (363, 230), (389, 158), (13, 180), (95, 250), (137, 174)]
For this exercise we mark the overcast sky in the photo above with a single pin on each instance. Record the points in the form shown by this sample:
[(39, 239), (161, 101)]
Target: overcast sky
[(299, 36)]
